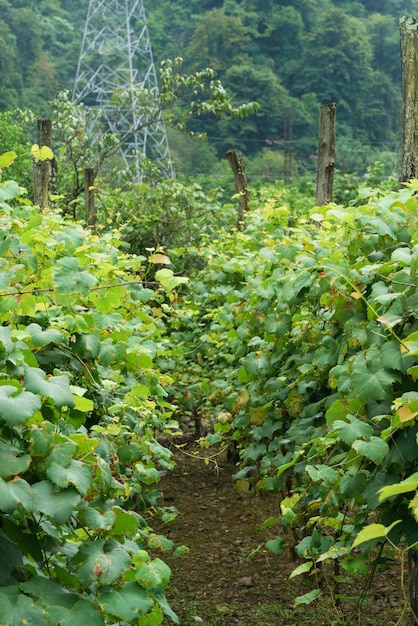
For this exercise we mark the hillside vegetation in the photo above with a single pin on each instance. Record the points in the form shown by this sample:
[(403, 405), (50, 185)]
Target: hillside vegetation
[(290, 56), (290, 342)]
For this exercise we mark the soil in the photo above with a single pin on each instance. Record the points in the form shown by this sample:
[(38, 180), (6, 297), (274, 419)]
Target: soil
[(229, 578)]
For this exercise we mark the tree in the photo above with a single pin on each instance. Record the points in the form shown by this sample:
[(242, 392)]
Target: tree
[(217, 37), (281, 38), (266, 126), (337, 65), (8, 61)]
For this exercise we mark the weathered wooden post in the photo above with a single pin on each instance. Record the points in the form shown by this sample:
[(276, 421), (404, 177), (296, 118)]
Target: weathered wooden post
[(43, 169), (326, 154), (89, 195), (408, 27), (238, 169)]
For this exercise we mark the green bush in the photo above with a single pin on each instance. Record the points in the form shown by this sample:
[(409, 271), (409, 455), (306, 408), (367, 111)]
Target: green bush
[(81, 405)]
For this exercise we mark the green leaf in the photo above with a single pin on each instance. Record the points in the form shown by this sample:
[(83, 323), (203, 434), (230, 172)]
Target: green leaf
[(355, 564), (155, 616), (12, 460), (159, 595), (17, 407), (322, 473), (127, 603), (10, 190), (101, 562), (405, 486), (352, 484), (19, 610), (125, 524), (68, 278), (64, 608), (42, 337), (14, 493), (375, 449), (42, 439), (372, 532), (302, 569), (275, 545), (153, 574), (307, 598), (371, 381), (58, 505), (352, 429), (96, 520), (160, 543), (303, 279), (85, 405), (147, 475), (76, 473), (82, 612), (27, 542), (168, 280), (62, 453), (55, 387), (10, 559)]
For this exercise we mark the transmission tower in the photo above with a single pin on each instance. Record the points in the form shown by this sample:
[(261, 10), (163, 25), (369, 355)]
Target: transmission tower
[(116, 57)]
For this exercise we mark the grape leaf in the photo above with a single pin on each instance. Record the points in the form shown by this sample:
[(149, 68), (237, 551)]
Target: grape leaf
[(12, 460), (16, 407), (375, 449), (76, 473), (127, 603), (14, 493), (55, 387), (155, 573), (58, 505), (101, 562)]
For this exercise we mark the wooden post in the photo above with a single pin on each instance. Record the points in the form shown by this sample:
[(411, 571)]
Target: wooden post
[(408, 27), (43, 169), (238, 169), (89, 178), (326, 154)]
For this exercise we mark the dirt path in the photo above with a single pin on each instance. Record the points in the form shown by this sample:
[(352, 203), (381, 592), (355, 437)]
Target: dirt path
[(216, 584)]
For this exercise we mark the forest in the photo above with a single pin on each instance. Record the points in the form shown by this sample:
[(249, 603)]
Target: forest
[(274, 354), (289, 56)]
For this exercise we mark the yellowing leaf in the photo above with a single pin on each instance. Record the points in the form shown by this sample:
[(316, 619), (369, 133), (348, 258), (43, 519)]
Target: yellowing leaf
[(405, 414), (41, 154), (373, 531), (161, 259), (389, 323), (7, 159)]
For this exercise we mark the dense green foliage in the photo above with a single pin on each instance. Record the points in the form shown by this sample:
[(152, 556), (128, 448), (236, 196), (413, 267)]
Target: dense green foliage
[(82, 402), (296, 341), (300, 334), (290, 56)]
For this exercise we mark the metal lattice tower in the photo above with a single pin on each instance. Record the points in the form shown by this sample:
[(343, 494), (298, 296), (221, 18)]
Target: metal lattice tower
[(116, 55)]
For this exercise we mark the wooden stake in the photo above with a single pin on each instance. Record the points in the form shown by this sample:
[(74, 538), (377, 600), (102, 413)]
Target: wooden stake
[(43, 169), (408, 27), (238, 169), (326, 154), (89, 178)]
